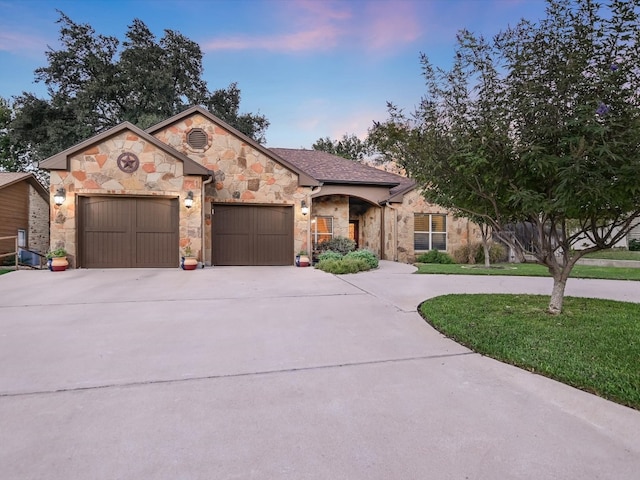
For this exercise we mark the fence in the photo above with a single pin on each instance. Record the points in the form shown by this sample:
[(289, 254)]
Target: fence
[(15, 250)]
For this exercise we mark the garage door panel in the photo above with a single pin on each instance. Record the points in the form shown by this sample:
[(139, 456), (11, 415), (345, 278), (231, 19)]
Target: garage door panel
[(252, 235), (111, 247), (125, 232), (105, 216), (237, 221), (155, 249), (235, 249), (156, 215), (273, 221), (272, 249)]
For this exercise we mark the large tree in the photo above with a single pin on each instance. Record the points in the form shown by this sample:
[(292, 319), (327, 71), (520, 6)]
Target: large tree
[(15, 156), (350, 147), (535, 131), (6, 160), (95, 82)]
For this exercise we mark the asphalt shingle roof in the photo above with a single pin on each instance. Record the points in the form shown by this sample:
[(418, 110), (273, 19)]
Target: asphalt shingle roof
[(7, 178), (329, 168)]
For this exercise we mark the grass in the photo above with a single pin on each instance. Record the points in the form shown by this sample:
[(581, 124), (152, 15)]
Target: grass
[(594, 345), (4, 270), (615, 254), (531, 270)]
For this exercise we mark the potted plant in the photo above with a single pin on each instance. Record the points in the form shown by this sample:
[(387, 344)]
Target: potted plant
[(188, 262), (57, 260), (302, 259)]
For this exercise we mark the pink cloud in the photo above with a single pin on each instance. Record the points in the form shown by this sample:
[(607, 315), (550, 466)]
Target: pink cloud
[(21, 43), (310, 25), (321, 38), (319, 28), (389, 24)]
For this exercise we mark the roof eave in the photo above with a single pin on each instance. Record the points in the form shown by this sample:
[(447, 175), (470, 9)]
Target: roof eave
[(359, 182), (60, 161)]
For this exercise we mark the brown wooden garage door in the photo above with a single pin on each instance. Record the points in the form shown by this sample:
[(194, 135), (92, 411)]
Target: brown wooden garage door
[(117, 232), (252, 235)]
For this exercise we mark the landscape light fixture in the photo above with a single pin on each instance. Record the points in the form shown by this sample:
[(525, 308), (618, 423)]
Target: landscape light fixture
[(188, 201), (60, 196), (303, 208)]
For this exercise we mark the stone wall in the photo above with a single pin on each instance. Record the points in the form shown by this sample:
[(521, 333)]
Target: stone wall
[(94, 171), (336, 206), (38, 234), (242, 174), (460, 231), (370, 230)]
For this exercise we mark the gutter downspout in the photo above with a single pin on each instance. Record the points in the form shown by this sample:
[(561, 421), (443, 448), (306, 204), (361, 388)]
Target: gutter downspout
[(202, 219), (383, 255), (314, 192)]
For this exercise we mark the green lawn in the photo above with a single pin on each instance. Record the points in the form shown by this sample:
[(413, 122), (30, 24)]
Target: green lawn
[(593, 345), (4, 270), (531, 270), (615, 254)]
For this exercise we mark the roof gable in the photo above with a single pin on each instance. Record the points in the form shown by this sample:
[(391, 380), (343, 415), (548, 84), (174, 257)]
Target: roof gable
[(303, 177), (60, 161)]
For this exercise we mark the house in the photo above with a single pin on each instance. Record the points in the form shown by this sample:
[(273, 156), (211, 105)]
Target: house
[(24, 212), (134, 198)]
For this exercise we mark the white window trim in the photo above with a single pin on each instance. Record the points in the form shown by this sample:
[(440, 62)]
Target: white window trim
[(314, 233), (22, 238), (431, 232)]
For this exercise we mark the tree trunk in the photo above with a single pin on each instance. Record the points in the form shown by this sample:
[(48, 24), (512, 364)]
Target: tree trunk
[(487, 251), (557, 294)]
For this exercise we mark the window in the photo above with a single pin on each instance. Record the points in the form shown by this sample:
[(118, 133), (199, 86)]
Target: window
[(322, 230), (429, 231), (22, 238)]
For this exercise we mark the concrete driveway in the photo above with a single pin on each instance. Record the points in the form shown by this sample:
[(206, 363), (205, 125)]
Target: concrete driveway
[(281, 373)]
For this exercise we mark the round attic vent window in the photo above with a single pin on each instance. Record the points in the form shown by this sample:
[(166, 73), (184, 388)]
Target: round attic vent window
[(197, 138)]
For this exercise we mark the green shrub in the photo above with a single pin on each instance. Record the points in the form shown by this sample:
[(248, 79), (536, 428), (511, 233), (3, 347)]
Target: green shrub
[(434, 256), (634, 245), (366, 255), (329, 255), (497, 254), (343, 265), (338, 244), (474, 253), (467, 253)]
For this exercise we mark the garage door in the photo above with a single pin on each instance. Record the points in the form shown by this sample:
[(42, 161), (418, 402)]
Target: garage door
[(117, 232), (252, 235)]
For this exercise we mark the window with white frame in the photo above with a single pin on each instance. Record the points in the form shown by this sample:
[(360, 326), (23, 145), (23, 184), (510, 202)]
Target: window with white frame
[(22, 238), (429, 231), (322, 230)]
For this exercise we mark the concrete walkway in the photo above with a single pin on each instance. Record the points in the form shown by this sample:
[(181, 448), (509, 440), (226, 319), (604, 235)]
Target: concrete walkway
[(281, 372)]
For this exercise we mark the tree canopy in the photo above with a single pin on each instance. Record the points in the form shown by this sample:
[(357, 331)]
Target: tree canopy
[(95, 82), (350, 147), (536, 132)]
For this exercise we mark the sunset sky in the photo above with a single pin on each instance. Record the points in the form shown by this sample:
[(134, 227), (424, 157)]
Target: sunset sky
[(314, 68)]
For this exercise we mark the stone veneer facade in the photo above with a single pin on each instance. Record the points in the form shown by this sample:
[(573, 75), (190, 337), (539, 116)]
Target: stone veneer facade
[(397, 236), (38, 234), (94, 171), (242, 174), (460, 231)]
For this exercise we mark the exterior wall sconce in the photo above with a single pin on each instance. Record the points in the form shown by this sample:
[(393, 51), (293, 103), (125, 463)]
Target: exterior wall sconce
[(304, 208), (188, 201), (60, 196)]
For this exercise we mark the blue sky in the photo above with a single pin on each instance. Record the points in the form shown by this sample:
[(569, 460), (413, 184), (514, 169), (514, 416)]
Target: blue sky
[(314, 68)]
